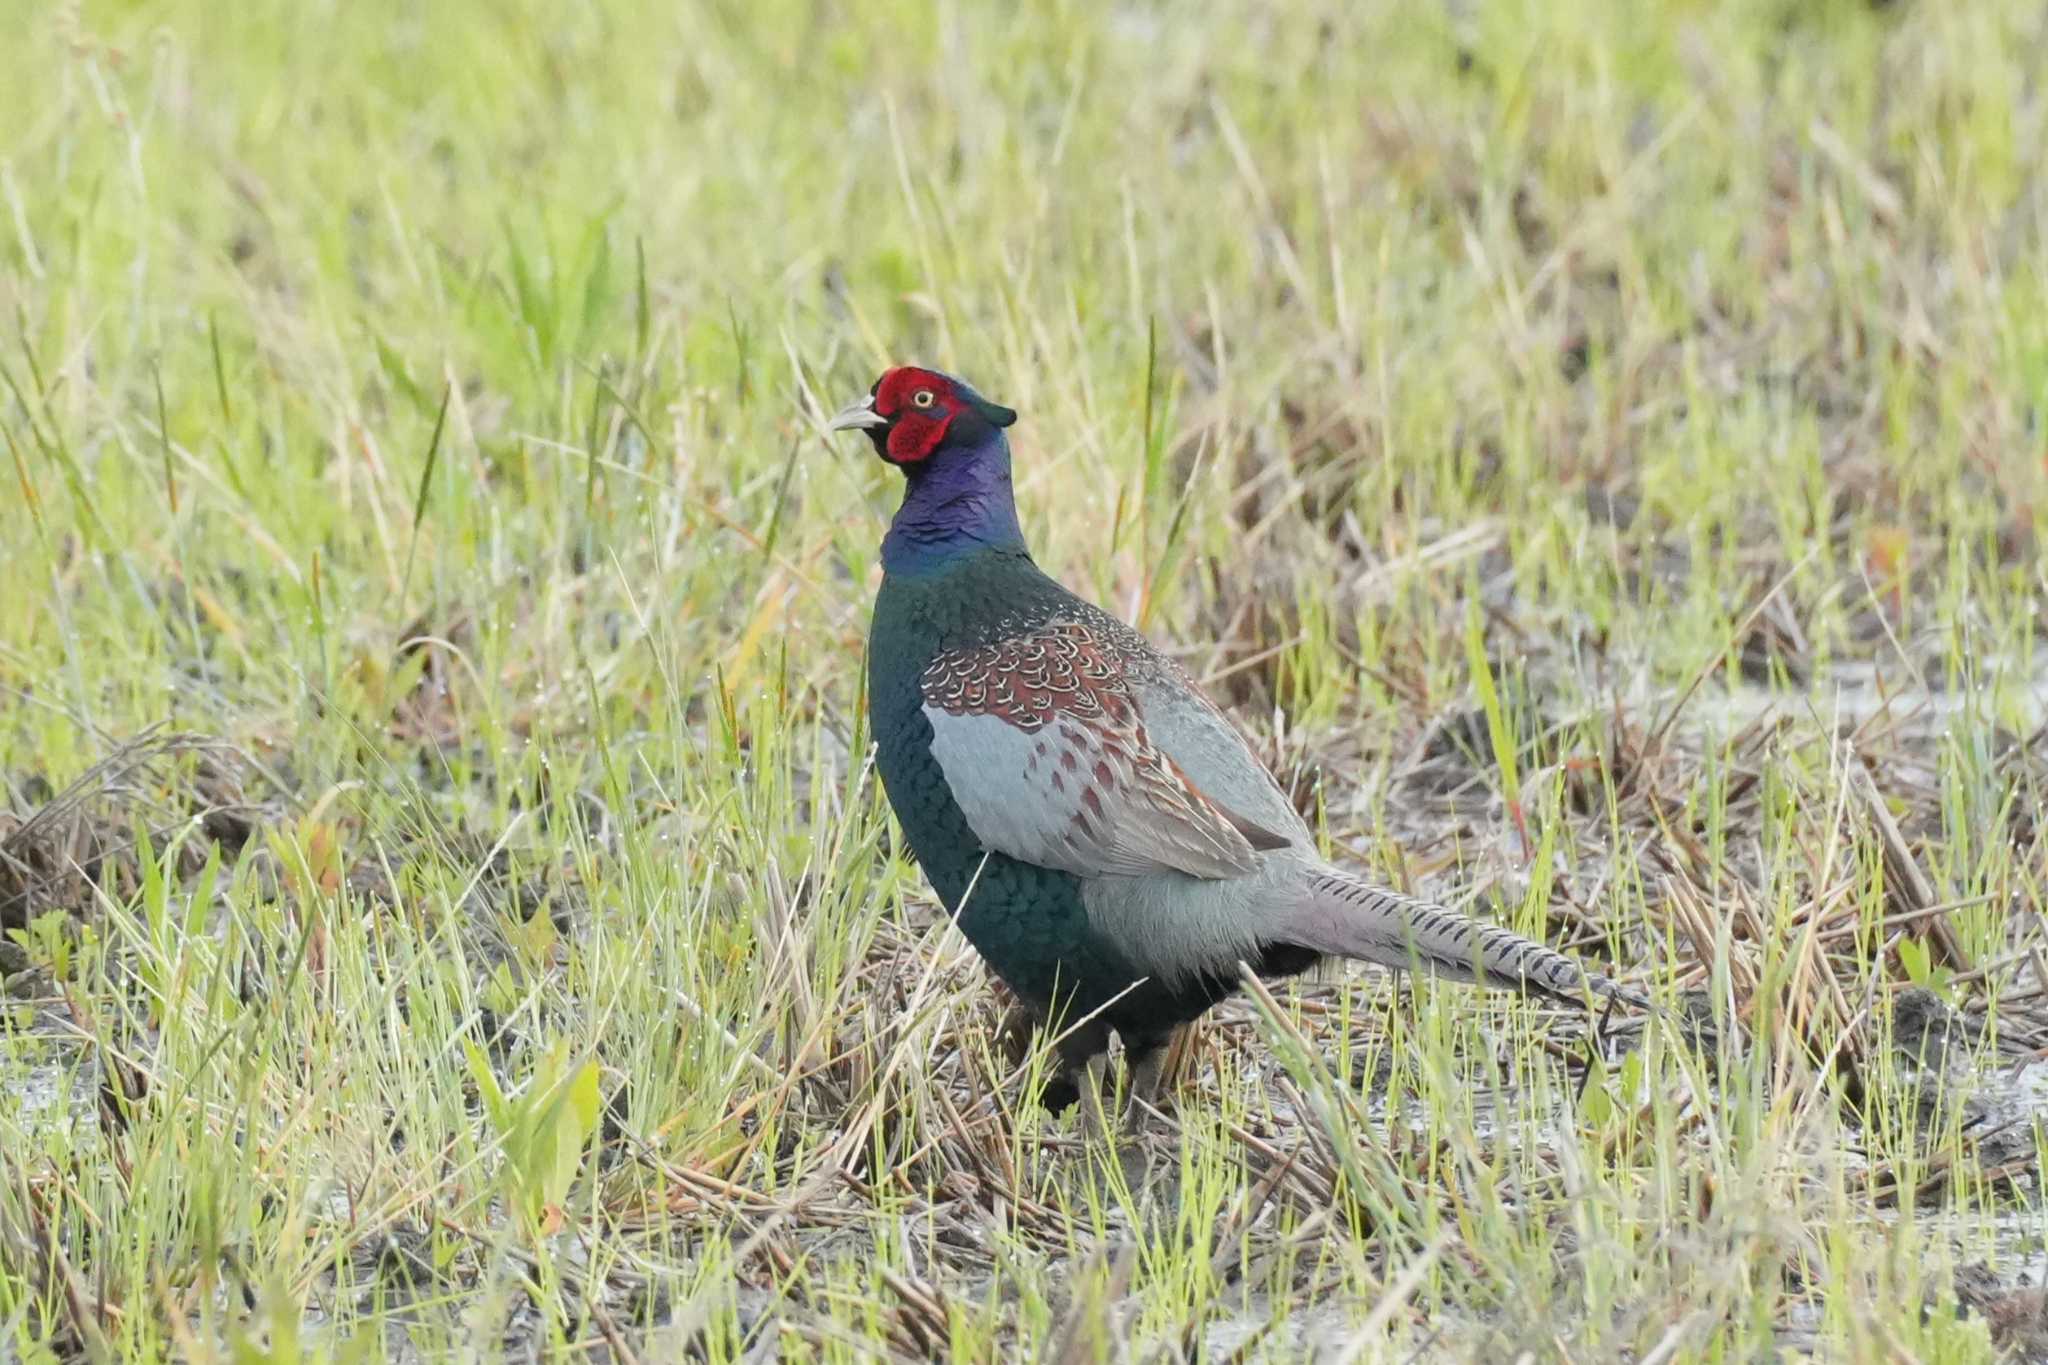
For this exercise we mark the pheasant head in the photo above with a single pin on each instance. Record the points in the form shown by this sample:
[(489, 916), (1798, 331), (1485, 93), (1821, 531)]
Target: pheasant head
[(915, 416), (948, 441)]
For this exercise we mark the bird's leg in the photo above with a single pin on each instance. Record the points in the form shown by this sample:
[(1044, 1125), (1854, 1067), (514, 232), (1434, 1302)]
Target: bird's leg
[(1152, 1058), (1015, 1029), (1148, 1074), (1083, 1055), (1094, 1076)]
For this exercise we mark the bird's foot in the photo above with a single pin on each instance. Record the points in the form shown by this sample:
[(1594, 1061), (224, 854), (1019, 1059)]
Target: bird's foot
[(1134, 1162), (1128, 1141)]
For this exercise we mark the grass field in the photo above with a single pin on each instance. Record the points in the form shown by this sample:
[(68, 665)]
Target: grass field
[(1596, 447)]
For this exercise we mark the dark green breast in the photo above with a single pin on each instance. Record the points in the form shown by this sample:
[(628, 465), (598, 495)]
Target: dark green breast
[(1027, 921)]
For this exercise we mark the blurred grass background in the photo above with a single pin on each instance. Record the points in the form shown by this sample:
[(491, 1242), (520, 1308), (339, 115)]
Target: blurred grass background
[(414, 409)]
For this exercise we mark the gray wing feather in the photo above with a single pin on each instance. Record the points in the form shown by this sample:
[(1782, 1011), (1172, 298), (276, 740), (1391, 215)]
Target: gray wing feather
[(1068, 796)]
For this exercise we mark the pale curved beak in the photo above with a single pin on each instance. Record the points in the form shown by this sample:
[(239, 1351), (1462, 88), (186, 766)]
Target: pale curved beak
[(857, 416)]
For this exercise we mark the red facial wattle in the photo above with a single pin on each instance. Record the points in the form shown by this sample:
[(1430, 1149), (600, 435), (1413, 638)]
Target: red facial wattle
[(917, 434), (917, 428)]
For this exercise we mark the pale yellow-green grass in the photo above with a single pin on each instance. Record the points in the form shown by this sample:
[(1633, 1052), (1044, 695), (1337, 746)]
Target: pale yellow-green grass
[(1596, 448)]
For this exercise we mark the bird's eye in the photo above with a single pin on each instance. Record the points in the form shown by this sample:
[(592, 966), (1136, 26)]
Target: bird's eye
[(924, 398)]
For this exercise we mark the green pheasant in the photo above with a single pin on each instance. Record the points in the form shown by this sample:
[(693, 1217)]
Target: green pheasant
[(1097, 827)]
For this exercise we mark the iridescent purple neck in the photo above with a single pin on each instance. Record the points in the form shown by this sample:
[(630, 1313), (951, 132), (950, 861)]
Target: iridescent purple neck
[(958, 500)]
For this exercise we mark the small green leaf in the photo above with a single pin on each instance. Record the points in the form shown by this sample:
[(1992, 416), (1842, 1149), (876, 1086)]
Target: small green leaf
[(1633, 1073), (1913, 957), (1597, 1107), (486, 1081)]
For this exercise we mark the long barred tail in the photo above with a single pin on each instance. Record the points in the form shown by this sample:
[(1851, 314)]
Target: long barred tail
[(1347, 916)]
